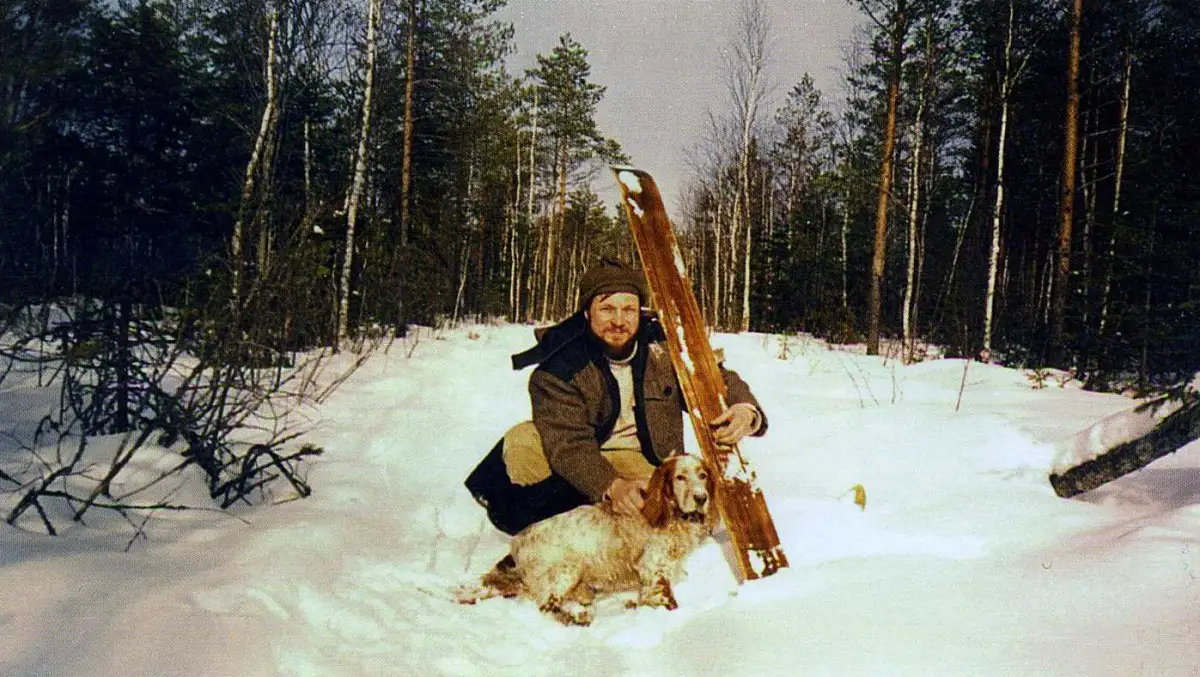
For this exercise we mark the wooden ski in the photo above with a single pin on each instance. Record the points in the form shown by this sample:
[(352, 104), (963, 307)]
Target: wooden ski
[(755, 543)]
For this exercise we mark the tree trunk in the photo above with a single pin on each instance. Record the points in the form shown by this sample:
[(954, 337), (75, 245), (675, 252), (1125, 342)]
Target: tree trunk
[(398, 256), (716, 295), (1148, 300), (1089, 166), (462, 281), (237, 245), (755, 53), (998, 207), (960, 236), (700, 258), (262, 220), (556, 286), (845, 252), (1057, 349), (553, 232), (309, 207), (731, 269), (1119, 160), (122, 421), (875, 292), (510, 242), (410, 79), (744, 325), (1174, 432), (914, 200), (746, 68), (529, 300), (549, 269), (360, 170)]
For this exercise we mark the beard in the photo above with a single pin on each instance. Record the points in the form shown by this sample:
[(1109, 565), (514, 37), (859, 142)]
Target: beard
[(618, 341)]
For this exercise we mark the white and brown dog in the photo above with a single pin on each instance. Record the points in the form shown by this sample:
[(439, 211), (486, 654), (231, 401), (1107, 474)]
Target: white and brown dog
[(563, 561)]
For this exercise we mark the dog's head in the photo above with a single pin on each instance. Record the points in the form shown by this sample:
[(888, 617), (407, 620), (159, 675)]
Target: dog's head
[(681, 488)]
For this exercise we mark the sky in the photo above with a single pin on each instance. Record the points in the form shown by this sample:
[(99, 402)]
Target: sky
[(963, 562), (661, 61)]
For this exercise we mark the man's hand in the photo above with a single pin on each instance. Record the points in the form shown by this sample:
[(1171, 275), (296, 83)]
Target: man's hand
[(626, 495), (735, 423)]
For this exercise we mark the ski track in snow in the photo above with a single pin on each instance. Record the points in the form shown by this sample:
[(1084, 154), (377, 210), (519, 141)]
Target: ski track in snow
[(963, 562)]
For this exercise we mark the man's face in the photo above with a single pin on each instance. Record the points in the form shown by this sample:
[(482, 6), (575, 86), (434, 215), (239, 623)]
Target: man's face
[(613, 318)]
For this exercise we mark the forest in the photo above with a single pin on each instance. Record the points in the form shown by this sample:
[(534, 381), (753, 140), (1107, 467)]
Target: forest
[(1003, 178), (245, 182)]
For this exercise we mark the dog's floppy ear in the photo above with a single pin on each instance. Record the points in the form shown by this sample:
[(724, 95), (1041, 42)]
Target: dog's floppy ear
[(658, 505)]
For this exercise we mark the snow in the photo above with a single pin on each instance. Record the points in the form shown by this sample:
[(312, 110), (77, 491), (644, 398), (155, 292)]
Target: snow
[(1110, 431), (631, 181), (963, 563), (637, 208), (684, 356), (634, 187), (680, 267)]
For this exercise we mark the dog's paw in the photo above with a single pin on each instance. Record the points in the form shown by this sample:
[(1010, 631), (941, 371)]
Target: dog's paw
[(567, 613), (658, 594), (469, 593)]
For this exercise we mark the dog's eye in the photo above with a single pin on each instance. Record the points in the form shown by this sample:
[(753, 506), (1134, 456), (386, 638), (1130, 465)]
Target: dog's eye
[(703, 475)]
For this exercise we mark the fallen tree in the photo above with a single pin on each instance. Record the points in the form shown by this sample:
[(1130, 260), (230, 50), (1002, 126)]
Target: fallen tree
[(1173, 432)]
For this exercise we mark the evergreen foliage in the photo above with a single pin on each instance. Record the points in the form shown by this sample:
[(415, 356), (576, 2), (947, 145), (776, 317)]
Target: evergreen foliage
[(136, 138), (1130, 319)]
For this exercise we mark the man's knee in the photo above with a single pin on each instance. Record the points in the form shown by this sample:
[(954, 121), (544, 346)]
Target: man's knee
[(629, 463), (524, 459), (526, 464)]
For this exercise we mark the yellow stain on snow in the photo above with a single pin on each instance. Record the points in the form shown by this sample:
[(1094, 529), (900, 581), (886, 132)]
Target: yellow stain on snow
[(860, 496)]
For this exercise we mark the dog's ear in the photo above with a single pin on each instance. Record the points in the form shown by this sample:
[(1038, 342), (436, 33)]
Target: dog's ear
[(658, 505)]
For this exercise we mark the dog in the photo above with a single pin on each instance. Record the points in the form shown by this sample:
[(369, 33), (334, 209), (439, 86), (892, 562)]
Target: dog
[(563, 561)]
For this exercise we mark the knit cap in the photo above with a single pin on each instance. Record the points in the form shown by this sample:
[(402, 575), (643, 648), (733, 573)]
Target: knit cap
[(609, 277)]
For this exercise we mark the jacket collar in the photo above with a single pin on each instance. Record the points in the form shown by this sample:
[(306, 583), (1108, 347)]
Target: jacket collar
[(552, 339)]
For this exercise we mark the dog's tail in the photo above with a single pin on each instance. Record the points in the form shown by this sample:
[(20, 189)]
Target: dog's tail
[(502, 581)]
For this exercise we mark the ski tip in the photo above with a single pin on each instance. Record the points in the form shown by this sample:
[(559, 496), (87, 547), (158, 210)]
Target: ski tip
[(628, 170), (633, 180)]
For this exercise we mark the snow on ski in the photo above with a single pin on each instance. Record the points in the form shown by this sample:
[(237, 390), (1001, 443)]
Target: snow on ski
[(755, 543)]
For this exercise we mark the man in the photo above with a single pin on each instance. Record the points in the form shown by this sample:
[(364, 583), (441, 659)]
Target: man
[(607, 408)]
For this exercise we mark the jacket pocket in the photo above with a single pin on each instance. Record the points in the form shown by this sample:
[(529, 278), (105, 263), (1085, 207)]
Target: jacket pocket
[(659, 391)]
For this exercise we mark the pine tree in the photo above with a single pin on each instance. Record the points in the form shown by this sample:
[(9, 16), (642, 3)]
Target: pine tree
[(567, 110), (895, 23)]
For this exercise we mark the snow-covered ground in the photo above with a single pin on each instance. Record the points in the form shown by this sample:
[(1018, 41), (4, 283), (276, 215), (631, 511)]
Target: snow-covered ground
[(963, 563)]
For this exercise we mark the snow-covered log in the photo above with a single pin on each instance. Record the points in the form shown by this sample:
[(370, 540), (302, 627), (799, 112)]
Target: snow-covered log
[(1175, 431)]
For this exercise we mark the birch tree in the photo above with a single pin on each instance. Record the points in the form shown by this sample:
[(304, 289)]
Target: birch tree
[(716, 169), (747, 87), (359, 177), (1008, 79), (258, 156), (533, 184), (908, 308), (1118, 182)]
